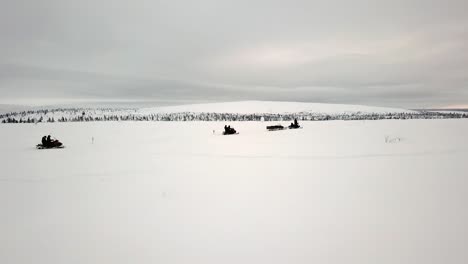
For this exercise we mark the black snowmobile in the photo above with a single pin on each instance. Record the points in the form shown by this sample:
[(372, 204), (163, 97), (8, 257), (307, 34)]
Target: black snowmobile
[(294, 125), (50, 144), (228, 130)]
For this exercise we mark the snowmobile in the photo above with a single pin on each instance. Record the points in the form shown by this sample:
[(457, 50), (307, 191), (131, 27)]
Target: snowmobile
[(276, 127), (54, 144), (294, 125), (229, 131)]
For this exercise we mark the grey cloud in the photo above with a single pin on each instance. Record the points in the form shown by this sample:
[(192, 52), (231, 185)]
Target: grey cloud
[(395, 53)]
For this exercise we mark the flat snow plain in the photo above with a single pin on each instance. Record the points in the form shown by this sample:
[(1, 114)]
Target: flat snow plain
[(174, 192)]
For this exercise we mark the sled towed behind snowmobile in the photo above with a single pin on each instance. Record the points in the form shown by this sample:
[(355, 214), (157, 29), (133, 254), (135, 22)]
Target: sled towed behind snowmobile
[(276, 127)]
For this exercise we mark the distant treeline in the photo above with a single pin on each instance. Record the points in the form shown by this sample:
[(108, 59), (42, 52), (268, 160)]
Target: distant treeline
[(111, 114)]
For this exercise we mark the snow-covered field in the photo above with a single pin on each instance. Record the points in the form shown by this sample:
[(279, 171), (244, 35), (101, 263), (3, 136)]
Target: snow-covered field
[(248, 107), (175, 192)]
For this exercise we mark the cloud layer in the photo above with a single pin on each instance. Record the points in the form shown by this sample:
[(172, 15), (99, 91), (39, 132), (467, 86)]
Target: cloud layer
[(392, 53)]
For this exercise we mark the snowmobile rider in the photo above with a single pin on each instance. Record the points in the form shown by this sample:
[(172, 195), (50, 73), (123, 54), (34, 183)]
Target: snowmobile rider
[(44, 141), (229, 130), (295, 124)]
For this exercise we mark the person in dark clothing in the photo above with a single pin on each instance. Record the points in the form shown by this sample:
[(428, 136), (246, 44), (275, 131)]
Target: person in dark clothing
[(228, 130), (48, 142), (295, 124)]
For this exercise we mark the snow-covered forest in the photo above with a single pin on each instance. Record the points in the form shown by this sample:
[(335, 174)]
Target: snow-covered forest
[(112, 114)]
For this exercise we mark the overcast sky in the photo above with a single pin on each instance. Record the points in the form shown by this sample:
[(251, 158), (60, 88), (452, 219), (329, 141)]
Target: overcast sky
[(390, 53)]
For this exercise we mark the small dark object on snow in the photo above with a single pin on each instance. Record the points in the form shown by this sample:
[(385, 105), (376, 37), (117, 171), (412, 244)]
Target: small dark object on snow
[(295, 124), (48, 143), (228, 130), (277, 127)]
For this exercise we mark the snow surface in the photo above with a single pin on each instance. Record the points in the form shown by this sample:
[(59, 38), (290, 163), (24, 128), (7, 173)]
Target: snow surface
[(449, 111), (248, 107), (390, 191), (6, 108)]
